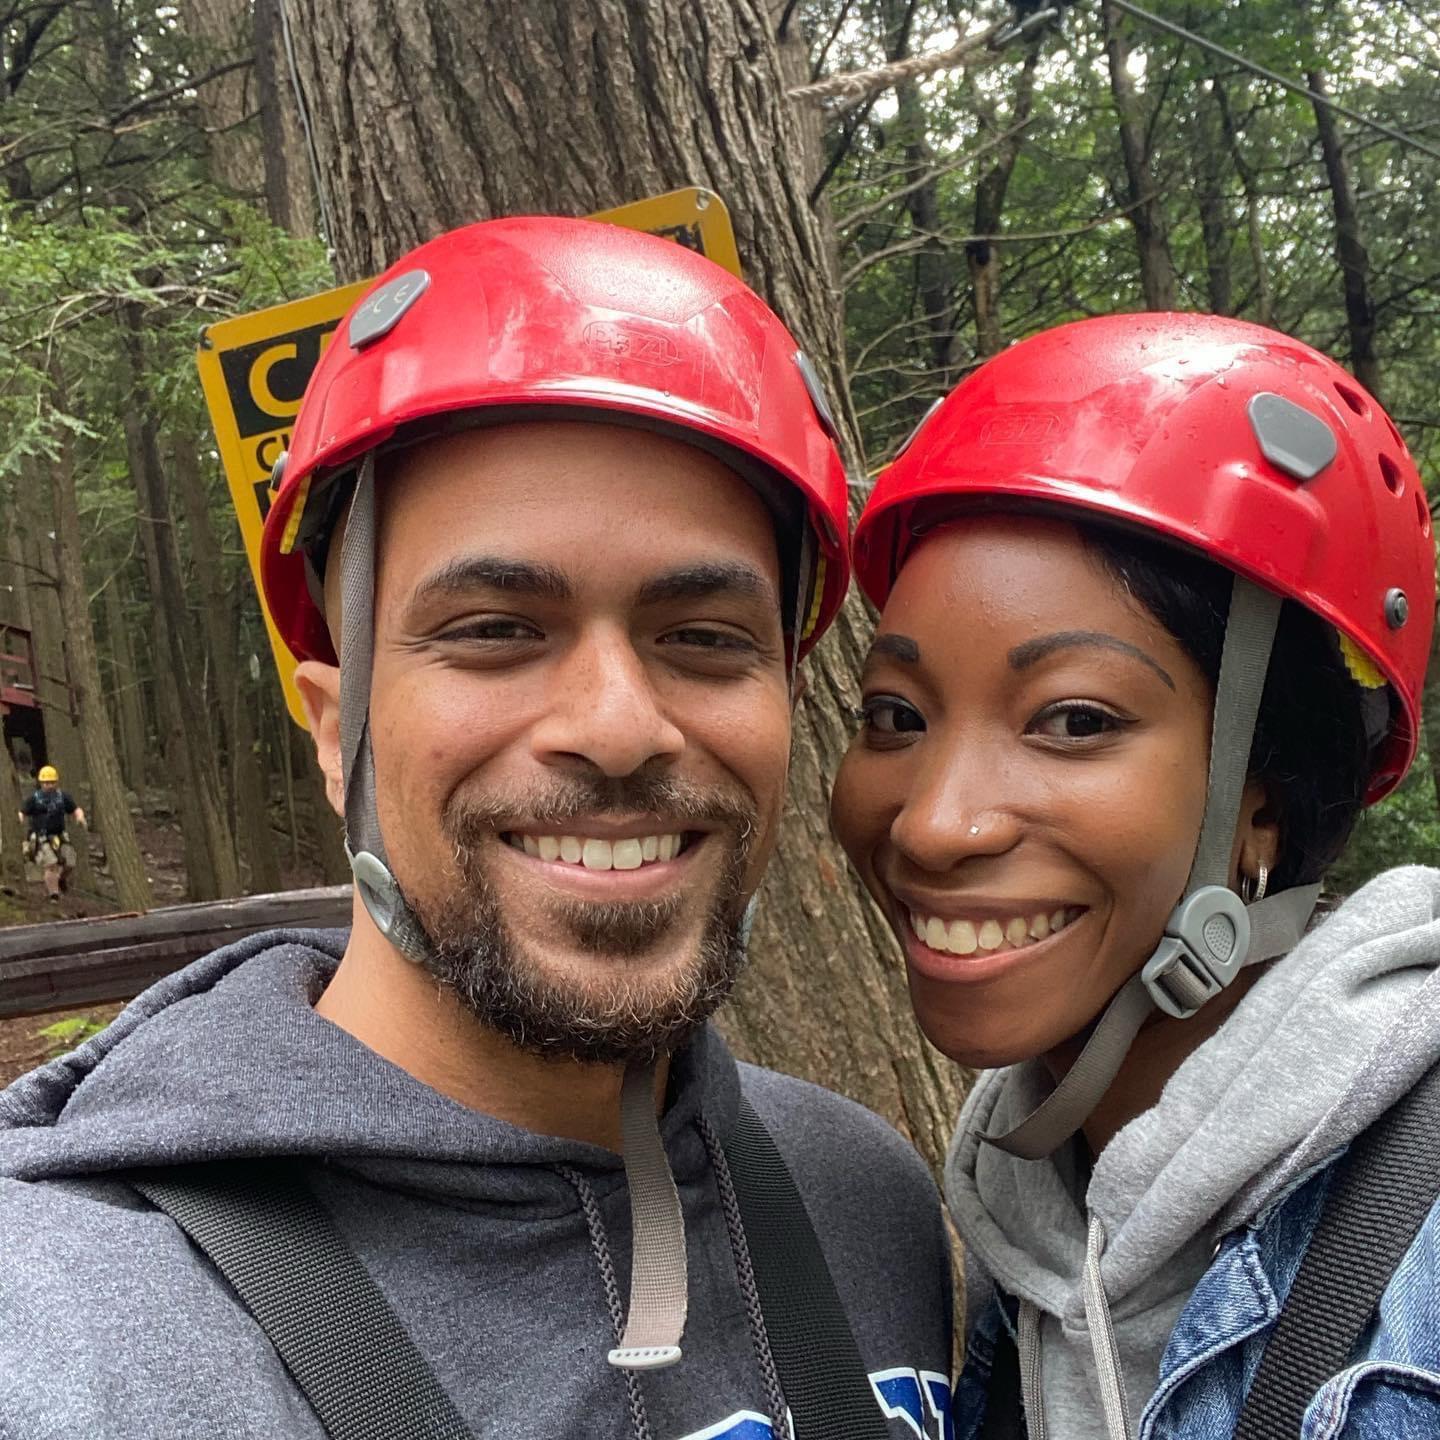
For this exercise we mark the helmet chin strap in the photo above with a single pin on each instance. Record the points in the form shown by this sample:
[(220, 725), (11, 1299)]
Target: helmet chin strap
[(1211, 934), (364, 844), (375, 883)]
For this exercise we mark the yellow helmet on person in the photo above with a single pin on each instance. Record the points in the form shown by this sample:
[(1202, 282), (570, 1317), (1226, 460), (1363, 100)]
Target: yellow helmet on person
[(48, 773)]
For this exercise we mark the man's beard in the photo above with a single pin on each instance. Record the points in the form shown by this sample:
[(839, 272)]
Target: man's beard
[(628, 1017)]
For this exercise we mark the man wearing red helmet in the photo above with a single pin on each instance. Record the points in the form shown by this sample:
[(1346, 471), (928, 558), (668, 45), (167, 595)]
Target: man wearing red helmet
[(1157, 599), (560, 517)]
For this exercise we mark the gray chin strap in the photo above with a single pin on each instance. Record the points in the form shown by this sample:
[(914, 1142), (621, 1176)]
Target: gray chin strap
[(364, 844), (1211, 934)]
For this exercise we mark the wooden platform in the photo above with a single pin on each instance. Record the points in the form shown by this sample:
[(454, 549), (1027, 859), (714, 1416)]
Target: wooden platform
[(68, 963)]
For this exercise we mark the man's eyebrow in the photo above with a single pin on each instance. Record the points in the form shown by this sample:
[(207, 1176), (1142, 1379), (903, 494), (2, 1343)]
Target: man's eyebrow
[(696, 582), (899, 647), (1033, 651), (469, 573)]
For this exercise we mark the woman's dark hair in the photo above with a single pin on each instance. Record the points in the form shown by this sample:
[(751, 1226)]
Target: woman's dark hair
[(1310, 751)]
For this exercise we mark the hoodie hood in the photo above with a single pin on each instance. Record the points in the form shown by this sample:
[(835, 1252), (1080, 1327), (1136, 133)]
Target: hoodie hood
[(1324, 1042), (279, 1079)]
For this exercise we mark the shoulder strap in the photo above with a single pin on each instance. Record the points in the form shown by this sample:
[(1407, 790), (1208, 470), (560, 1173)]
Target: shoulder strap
[(821, 1372), (266, 1233), (1386, 1186)]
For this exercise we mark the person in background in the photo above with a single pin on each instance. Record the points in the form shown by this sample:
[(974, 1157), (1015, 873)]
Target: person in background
[(1157, 595), (47, 843)]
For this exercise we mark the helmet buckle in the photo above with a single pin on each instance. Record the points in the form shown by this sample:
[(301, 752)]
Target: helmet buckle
[(1206, 940)]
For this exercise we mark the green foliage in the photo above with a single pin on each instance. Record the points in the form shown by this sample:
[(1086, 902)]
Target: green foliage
[(69, 1034)]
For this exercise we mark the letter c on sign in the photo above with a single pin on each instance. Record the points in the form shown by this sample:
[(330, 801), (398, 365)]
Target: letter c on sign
[(260, 392)]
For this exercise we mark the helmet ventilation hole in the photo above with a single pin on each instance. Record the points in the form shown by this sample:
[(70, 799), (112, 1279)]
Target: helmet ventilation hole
[(1399, 438), (1354, 399), (1422, 510), (1394, 480)]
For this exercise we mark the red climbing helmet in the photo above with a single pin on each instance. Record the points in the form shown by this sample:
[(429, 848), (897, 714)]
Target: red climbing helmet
[(573, 314), (1237, 441)]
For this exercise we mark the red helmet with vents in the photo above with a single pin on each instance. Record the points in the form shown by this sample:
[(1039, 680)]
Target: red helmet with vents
[(573, 316), (1234, 440)]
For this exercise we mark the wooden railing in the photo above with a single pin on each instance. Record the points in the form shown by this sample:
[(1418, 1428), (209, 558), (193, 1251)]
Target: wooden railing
[(69, 963), (17, 664)]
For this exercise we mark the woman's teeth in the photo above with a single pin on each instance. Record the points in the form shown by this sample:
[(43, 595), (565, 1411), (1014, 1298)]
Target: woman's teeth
[(592, 854), (965, 937)]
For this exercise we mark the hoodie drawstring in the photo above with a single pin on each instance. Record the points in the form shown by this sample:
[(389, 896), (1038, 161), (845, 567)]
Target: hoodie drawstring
[(745, 1273), (1113, 1399), (600, 1248), (1102, 1338), (1031, 1394)]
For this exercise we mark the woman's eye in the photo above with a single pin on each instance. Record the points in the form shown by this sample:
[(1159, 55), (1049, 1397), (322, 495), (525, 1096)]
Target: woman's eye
[(1076, 720), (889, 715)]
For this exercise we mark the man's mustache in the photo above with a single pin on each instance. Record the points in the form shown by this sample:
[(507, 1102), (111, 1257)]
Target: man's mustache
[(471, 818)]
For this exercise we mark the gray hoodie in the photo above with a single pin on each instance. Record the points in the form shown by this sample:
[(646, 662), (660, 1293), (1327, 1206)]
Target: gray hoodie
[(113, 1327), (1325, 1041)]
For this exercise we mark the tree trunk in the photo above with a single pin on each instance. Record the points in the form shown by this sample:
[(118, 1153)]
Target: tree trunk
[(127, 704), (288, 195), (109, 809), (37, 526), (1263, 308), (220, 31), (231, 705), (652, 96), (1142, 200), (1215, 218), (1349, 245), (207, 832), (983, 255), (12, 828)]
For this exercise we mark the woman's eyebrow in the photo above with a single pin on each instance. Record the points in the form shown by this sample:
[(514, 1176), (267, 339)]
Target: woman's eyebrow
[(1033, 651), (898, 647)]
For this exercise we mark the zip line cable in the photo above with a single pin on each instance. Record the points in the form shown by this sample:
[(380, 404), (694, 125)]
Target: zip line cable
[(1285, 83)]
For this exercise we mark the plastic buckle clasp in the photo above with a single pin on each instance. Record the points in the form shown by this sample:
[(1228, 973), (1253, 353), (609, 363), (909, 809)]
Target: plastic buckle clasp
[(1207, 938)]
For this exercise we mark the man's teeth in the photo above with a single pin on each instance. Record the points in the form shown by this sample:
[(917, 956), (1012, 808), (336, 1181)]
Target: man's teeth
[(965, 937), (593, 854)]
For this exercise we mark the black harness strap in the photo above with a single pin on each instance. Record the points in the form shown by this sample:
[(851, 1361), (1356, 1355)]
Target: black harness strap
[(262, 1228), (266, 1233), (821, 1372), (1387, 1184)]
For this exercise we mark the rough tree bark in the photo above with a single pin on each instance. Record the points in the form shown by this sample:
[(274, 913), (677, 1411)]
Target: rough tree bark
[(1142, 199), (1349, 244), (568, 107), (220, 31)]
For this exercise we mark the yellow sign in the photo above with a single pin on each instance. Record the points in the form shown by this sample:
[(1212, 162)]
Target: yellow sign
[(254, 370)]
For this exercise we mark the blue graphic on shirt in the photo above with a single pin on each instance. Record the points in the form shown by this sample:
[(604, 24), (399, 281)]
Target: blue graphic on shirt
[(919, 1398)]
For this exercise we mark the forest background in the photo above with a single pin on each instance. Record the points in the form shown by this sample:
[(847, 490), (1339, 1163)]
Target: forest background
[(915, 184)]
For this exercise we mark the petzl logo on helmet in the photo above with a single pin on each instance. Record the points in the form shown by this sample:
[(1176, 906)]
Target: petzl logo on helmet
[(617, 341), (1020, 427)]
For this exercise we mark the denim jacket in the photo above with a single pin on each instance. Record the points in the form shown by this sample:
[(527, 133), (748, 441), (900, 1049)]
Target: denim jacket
[(1389, 1391)]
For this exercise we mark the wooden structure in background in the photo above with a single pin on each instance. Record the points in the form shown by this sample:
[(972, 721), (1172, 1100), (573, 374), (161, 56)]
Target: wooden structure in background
[(69, 963), (20, 714)]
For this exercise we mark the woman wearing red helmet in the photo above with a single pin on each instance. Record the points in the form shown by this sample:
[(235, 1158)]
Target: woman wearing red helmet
[(1157, 594)]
